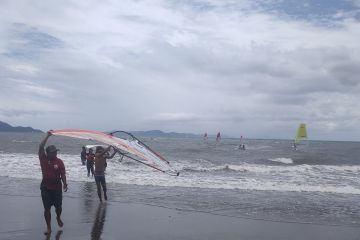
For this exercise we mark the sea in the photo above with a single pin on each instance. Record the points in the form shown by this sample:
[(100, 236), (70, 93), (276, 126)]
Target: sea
[(318, 183)]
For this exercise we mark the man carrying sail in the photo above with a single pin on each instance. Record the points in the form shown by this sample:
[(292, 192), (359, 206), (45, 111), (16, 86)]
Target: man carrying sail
[(100, 159), (53, 172)]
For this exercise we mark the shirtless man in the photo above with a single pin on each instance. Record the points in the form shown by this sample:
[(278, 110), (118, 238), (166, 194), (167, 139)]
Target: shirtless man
[(100, 159), (53, 172)]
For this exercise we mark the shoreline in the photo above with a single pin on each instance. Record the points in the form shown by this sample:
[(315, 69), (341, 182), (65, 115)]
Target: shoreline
[(86, 217), (281, 207)]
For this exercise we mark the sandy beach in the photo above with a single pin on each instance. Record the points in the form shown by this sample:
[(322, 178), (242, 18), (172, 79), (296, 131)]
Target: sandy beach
[(88, 219)]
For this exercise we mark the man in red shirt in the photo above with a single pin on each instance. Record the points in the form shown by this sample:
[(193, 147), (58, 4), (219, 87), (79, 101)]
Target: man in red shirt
[(53, 172)]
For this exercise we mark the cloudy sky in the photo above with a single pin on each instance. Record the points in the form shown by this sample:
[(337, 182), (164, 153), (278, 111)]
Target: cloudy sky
[(255, 68)]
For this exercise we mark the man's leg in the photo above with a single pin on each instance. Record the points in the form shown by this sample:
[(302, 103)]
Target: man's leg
[(47, 202), (47, 215), (92, 170), (103, 184), (98, 188), (58, 206), (58, 216), (88, 169)]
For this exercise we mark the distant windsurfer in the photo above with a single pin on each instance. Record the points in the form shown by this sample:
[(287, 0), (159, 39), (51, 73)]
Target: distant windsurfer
[(218, 137), (53, 172), (90, 162), (205, 136), (83, 155), (100, 159), (242, 146)]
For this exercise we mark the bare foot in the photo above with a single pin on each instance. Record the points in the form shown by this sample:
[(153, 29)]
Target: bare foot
[(60, 223), (48, 231)]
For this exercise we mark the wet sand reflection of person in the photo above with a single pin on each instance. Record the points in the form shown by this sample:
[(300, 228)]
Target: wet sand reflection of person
[(98, 226), (57, 236), (87, 193)]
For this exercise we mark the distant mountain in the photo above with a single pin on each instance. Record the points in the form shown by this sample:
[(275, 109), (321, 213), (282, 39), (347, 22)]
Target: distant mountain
[(5, 127), (158, 133)]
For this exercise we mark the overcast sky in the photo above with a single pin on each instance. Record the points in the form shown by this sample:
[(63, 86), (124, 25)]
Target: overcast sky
[(251, 68)]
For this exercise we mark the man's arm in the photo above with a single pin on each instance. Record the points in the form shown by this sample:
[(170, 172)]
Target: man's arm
[(104, 152), (63, 178), (42, 144)]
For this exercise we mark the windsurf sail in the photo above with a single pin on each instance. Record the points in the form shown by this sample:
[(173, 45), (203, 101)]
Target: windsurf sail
[(241, 145), (218, 137), (205, 136), (126, 144), (301, 133)]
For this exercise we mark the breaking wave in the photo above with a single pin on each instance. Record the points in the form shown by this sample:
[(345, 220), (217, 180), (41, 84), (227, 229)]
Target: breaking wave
[(204, 174), (282, 160)]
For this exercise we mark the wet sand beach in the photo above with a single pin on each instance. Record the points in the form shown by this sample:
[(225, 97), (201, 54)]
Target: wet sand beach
[(88, 219)]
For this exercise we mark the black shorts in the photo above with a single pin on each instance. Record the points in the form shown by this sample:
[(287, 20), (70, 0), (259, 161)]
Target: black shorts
[(100, 179), (51, 197)]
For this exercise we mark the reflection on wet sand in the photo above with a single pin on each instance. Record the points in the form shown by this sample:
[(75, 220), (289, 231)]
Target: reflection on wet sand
[(87, 193), (98, 226), (57, 236)]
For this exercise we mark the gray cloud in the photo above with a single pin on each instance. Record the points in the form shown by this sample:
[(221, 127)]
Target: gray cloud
[(347, 73), (240, 67), (28, 42)]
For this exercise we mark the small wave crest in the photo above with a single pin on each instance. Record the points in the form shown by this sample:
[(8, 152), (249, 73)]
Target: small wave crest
[(21, 141), (235, 168), (282, 160)]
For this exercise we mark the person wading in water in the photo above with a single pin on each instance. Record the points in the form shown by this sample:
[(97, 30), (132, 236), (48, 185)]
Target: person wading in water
[(90, 162)]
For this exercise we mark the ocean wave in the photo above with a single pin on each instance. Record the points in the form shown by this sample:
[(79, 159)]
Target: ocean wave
[(203, 174), (282, 160), (227, 167)]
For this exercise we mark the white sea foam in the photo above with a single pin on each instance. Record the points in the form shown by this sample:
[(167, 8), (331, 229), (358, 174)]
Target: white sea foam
[(203, 174), (282, 160), (21, 141)]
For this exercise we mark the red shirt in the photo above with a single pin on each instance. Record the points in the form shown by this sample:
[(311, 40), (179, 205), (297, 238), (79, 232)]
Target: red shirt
[(90, 156), (52, 170)]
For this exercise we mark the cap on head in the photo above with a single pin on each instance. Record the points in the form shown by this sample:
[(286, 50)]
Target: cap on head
[(51, 149)]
